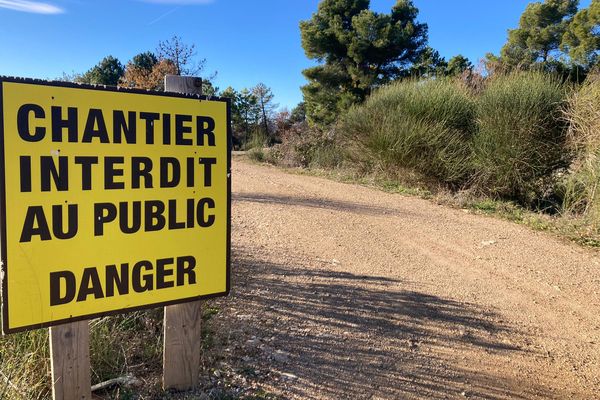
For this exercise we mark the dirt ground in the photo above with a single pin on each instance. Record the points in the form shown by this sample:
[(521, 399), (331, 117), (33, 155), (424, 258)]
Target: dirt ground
[(345, 292)]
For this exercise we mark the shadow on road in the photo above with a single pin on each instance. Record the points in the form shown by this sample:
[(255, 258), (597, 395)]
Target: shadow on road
[(320, 203), (346, 336)]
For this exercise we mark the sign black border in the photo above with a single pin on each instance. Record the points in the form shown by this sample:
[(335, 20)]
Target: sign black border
[(3, 229)]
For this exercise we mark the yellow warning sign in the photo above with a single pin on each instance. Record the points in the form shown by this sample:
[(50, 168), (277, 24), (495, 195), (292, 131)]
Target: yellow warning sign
[(111, 200)]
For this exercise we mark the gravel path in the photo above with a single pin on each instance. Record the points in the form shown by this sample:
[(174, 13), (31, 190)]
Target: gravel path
[(346, 292)]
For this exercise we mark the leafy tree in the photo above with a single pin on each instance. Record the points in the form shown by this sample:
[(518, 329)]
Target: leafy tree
[(538, 37), (298, 113), (145, 60), (231, 94), (208, 89), (264, 97), (430, 63), (457, 65), (249, 110), (147, 71), (581, 39), (245, 114), (359, 49), (236, 116), (107, 72)]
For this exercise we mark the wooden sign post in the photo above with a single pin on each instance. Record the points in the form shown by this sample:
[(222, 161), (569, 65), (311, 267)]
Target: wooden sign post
[(182, 322), (70, 359)]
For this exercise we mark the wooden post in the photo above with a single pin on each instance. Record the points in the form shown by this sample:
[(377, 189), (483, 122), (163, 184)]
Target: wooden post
[(182, 324), (70, 359)]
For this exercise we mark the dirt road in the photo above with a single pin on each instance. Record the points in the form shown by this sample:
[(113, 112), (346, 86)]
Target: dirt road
[(346, 292)]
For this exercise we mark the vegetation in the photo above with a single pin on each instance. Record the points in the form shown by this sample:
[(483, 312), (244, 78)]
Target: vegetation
[(123, 345), (581, 39), (108, 72), (359, 49), (147, 70), (540, 32), (581, 185), (253, 116), (520, 140), (553, 36), (424, 126)]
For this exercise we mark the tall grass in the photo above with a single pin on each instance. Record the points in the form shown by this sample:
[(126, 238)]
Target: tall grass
[(424, 126), (582, 185), (505, 140), (116, 344), (25, 366), (521, 135)]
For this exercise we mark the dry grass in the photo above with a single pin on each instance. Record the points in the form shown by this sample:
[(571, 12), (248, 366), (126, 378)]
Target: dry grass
[(581, 185)]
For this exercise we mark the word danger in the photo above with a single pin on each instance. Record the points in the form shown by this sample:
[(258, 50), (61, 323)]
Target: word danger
[(114, 280)]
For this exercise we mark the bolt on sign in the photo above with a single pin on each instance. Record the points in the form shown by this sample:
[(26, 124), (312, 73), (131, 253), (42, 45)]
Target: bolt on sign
[(111, 200)]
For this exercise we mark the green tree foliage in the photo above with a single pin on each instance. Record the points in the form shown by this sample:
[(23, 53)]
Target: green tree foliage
[(236, 118), (107, 72), (264, 97), (540, 32), (359, 49), (298, 113), (581, 40), (429, 64), (457, 65), (245, 114), (145, 61)]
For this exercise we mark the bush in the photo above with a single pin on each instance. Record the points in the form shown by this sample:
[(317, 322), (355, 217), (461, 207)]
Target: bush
[(521, 136), (423, 126), (581, 191), (258, 140), (303, 146)]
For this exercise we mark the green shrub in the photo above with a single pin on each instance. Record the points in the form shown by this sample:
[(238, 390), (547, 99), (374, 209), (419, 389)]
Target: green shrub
[(257, 154), (423, 126), (581, 189), (521, 136), (258, 140)]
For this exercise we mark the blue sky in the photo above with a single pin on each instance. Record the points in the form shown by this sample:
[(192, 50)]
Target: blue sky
[(245, 41)]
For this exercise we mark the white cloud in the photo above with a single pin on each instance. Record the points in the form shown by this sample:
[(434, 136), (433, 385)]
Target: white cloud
[(36, 7), (178, 2)]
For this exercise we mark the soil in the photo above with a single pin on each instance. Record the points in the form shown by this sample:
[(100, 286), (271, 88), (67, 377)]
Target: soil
[(345, 292)]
